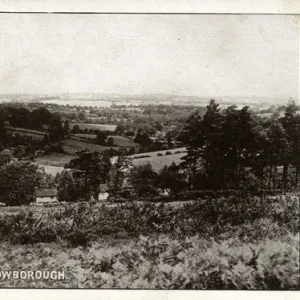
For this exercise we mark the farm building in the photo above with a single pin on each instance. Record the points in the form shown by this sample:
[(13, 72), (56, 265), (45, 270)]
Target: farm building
[(103, 192), (46, 196)]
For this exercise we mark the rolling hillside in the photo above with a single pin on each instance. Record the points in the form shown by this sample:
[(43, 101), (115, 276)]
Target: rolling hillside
[(157, 161)]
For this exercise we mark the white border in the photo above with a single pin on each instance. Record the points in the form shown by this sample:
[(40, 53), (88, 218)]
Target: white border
[(154, 6), (146, 295), (149, 6)]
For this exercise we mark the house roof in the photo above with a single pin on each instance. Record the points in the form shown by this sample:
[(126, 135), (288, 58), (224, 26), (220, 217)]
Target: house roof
[(126, 184), (103, 188), (46, 193)]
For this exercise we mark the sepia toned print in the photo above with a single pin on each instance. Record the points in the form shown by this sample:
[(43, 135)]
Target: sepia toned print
[(149, 151)]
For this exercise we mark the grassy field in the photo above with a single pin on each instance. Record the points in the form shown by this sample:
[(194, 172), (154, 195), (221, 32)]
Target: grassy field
[(57, 160), (72, 146), (158, 162), (123, 141), (52, 170), (103, 127), (54, 163), (119, 141), (88, 136)]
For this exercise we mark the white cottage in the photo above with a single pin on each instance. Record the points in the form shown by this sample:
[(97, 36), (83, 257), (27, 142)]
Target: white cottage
[(46, 196), (103, 192)]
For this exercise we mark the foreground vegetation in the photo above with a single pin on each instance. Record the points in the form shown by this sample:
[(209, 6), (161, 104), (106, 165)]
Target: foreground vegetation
[(221, 243), (162, 262)]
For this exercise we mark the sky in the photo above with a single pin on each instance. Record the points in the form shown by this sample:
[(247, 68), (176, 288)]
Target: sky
[(200, 55)]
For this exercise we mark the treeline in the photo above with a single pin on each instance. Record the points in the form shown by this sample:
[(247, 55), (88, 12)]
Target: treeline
[(40, 119), (235, 149)]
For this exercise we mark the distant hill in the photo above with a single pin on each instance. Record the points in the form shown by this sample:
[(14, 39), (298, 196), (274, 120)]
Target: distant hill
[(137, 99)]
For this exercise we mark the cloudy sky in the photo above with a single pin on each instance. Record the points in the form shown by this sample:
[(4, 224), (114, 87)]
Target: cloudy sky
[(204, 55)]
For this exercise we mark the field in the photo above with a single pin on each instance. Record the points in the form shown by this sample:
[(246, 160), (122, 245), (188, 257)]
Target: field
[(244, 243), (88, 136), (158, 162), (103, 127), (71, 146), (123, 141), (53, 164), (57, 160), (119, 141)]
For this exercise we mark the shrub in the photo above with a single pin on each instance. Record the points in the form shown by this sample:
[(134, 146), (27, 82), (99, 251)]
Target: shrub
[(168, 153), (194, 195), (162, 198)]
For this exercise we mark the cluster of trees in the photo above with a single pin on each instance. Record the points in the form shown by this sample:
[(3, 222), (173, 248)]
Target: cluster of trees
[(89, 169), (19, 180), (82, 177), (229, 149), (170, 181), (143, 181), (235, 149), (162, 121), (154, 120), (40, 119)]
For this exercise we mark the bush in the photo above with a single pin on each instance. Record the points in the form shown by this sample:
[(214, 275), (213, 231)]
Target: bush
[(159, 154), (161, 198), (194, 195), (178, 152), (116, 199), (168, 153)]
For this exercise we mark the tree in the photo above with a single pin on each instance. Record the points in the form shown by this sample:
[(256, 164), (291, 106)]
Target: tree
[(82, 116), (238, 140), (211, 133), (203, 137), (277, 149), (76, 129), (19, 152), (66, 127), (291, 124), (93, 167), (110, 141), (192, 137), (142, 138), (118, 173), (69, 188), (144, 180), (120, 129), (5, 157), (56, 130), (101, 137), (18, 181), (40, 116), (170, 179)]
